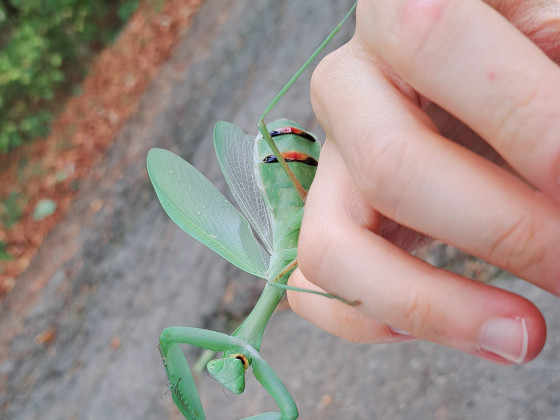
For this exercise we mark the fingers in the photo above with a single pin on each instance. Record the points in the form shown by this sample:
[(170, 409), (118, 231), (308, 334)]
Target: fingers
[(339, 251), (412, 175), (471, 61), (385, 153)]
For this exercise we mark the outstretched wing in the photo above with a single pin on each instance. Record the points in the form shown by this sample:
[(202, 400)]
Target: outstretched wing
[(198, 208), (235, 153)]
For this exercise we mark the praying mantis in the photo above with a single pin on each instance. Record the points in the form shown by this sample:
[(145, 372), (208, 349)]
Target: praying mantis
[(269, 176)]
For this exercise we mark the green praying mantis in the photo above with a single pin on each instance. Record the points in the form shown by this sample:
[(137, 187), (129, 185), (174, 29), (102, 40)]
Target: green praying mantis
[(269, 177)]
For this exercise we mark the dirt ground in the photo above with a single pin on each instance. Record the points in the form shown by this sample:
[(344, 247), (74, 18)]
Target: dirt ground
[(78, 332), (52, 168)]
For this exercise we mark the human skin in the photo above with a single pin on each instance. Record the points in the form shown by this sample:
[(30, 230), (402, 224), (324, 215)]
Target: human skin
[(442, 120)]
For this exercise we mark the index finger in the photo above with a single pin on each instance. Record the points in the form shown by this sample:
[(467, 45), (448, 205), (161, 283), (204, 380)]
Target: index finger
[(471, 61)]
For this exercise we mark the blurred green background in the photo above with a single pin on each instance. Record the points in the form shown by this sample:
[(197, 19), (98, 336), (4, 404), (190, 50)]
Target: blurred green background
[(45, 49)]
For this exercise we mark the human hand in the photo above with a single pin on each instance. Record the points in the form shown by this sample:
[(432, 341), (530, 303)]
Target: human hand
[(415, 108)]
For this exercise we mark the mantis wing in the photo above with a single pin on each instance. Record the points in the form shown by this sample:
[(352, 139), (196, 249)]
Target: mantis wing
[(198, 208), (235, 153)]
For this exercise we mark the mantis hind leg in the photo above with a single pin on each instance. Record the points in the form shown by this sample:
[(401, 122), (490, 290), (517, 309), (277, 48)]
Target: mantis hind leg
[(281, 285), (316, 292)]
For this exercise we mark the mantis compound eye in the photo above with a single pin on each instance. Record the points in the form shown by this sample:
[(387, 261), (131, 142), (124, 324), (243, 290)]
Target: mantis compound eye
[(230, 372)]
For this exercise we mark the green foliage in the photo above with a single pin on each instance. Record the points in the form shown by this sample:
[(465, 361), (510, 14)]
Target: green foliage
[(126, 9), (3, 253), (45, 47), (11, 209)]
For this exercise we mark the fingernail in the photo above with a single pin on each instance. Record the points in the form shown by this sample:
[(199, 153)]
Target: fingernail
[(505, 337), (400, 332)]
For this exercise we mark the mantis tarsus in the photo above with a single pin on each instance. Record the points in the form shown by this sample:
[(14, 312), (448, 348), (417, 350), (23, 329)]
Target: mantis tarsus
[(269, 180)]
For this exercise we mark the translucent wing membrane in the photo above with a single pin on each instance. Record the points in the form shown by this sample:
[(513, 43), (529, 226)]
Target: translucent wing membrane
[(198, 208), (235, 154)]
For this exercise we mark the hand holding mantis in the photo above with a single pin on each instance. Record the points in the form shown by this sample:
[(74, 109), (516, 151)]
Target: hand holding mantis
[(442, 121)]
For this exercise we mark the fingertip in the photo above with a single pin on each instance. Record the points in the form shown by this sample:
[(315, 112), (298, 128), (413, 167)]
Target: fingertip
[(536, 332), (513, 339)]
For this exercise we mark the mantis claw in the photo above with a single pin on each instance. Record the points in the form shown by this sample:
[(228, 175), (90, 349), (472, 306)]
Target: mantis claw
[(181, 381), (228, 370)]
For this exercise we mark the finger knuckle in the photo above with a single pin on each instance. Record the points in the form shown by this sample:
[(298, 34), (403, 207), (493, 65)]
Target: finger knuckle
[(408, 32), (515, 246), (326, 76), (315, 250), (323, 72), (517, 118), (417, 311), (391, 161)]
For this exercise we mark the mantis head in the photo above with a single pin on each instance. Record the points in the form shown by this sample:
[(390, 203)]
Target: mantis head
[(230, 371)]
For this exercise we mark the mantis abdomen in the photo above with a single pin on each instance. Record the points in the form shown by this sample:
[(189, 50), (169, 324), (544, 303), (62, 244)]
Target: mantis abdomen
[(300, 150)]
